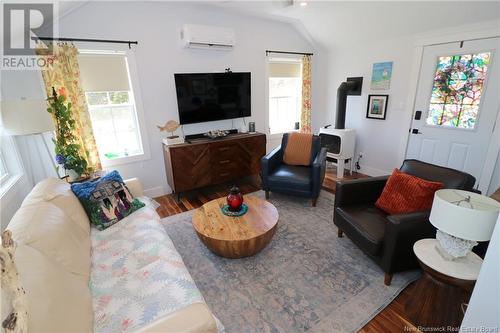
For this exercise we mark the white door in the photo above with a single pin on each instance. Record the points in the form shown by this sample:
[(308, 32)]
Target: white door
[(456, 105)]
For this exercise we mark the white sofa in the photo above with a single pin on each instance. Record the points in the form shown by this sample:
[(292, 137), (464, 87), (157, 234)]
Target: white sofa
[(55, 260)]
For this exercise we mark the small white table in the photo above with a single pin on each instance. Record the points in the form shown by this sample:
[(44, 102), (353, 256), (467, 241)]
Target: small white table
[(466, 268), (444, 287)]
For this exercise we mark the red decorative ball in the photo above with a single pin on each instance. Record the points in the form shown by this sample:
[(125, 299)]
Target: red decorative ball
[(234, 199)]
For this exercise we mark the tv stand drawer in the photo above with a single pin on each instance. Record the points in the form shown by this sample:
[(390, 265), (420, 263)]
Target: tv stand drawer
[(222, 177)]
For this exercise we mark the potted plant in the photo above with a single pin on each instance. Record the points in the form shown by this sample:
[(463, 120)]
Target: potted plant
[(68, 150)]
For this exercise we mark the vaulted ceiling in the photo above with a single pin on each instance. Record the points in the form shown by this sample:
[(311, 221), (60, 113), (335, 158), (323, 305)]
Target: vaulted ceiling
[(334, 23)]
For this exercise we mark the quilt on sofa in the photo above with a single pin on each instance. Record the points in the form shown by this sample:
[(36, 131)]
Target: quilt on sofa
[(137, 275)]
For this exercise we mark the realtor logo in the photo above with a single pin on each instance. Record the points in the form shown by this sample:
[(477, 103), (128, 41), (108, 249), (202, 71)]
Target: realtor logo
[(21, 24), (23, 21)]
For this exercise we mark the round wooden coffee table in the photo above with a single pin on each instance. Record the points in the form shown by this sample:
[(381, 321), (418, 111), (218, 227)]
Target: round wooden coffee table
[(236, 237)]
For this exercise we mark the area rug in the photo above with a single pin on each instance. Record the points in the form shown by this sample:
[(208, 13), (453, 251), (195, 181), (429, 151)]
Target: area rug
[(306, 280)]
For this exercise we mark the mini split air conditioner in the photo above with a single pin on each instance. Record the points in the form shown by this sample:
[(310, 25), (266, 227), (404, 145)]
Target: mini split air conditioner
[(207, 37)]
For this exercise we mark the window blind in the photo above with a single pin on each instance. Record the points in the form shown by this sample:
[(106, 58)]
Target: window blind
[(104, 72), (283, 69)]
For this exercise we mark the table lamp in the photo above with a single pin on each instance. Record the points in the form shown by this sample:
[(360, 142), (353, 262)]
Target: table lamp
[(462, 218), (27, 117), (24, 117)]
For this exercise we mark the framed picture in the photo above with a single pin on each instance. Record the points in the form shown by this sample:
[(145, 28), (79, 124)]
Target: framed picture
[(381, 76), (377, 106)]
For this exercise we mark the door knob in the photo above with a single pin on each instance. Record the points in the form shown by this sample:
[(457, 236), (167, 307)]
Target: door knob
[(416, 131)]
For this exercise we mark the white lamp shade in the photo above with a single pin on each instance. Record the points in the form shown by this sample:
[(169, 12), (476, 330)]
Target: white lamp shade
[(462, 221), (24, 117)]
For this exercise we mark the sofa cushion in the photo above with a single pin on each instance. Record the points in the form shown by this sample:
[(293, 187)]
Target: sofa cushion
[(404, 193), (291, 177), (106, 200), (59, 193), (58, 301), (364, 224), (46, 227)]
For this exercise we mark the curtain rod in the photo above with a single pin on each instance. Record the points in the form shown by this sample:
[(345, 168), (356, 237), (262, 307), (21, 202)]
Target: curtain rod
[(64, 39), (285, 52)]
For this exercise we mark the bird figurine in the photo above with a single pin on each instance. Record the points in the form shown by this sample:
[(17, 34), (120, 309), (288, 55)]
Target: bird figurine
[(170, 126)]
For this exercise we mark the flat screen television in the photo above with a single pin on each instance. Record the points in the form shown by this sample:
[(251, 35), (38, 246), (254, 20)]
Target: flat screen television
[(212, 96)]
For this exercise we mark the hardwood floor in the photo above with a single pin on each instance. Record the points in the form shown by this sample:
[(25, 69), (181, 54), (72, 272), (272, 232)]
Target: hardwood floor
[(391, 319), (194, 199)]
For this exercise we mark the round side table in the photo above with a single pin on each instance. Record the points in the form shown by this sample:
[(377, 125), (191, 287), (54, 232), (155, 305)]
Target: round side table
[(444, 286)]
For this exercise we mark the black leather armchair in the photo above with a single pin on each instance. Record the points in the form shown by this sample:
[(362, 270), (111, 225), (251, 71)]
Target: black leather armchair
[(389, 239), (296, 180)]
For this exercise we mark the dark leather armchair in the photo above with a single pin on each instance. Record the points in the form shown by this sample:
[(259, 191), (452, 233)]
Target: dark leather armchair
[(389, 239), (296, 180)]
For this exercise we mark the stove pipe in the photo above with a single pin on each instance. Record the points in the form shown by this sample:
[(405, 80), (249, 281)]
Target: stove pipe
[(350, 87)]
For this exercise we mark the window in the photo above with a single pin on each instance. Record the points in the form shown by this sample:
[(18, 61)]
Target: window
[(112, 106), (285, 94), (114, 123), (457, 89), (4, 174)]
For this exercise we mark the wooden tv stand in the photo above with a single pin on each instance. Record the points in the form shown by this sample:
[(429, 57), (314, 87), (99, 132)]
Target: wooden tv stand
[(205, 162)]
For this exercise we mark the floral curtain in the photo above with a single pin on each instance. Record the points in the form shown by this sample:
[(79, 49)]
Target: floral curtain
[(65, 73), (305, 115)]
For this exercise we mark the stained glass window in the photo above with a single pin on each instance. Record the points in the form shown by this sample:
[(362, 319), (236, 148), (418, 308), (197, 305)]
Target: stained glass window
[(457, 89)]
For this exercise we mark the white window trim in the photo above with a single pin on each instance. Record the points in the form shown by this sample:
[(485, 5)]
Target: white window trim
[(6, 176), (285, 59), (134, 83)]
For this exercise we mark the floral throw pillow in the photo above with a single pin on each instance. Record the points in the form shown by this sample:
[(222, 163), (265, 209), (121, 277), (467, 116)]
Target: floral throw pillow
[(106, 200)]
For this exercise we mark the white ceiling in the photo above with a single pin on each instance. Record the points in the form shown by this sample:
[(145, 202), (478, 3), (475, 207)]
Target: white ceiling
[(334, 23)]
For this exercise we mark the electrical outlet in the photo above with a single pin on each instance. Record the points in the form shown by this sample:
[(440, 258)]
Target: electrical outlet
[(360, 155)]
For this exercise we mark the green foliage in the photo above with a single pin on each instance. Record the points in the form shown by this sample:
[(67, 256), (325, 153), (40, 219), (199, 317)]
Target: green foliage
[(66, 142), (106, 98), (119, 97)]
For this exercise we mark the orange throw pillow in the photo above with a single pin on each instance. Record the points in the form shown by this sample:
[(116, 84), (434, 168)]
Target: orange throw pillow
[(298, 149), (404, 193)]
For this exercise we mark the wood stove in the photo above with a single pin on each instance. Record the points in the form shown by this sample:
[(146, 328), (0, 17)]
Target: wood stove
[(339, 141), (340, 144)]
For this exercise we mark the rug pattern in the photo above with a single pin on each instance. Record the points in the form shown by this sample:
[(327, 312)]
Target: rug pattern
[(306, 280)]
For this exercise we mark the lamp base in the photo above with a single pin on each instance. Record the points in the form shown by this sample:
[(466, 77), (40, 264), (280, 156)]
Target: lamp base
[(451, 247)]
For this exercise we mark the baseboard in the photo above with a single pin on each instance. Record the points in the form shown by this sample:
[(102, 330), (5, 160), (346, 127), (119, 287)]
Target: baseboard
[(373, 172), (155, 192)]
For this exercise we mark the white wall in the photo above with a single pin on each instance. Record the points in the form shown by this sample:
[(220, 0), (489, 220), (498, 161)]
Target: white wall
[(484, 305), (159, 55), (17, 186), (381, 141), (495, 179), (12, 200), (14, 86)]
